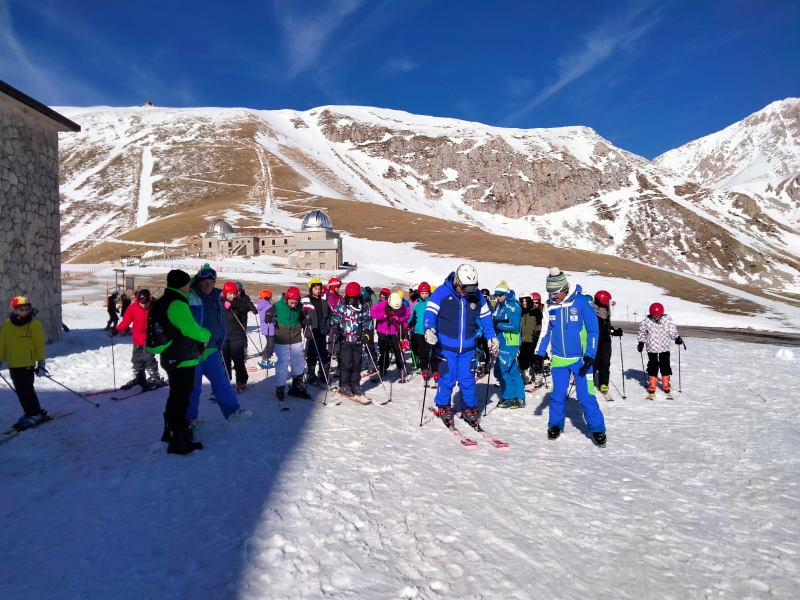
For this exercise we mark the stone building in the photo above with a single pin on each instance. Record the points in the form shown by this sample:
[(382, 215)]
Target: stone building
[(30, 227), (316, 246)]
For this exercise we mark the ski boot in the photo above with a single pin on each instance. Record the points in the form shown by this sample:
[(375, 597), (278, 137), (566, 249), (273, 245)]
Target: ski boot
[(31, 420), (651, 388), (435, 378), (138, 380), (665, 383), (240, 387), (346, 391), (425, 376), (504, 403), (240, 415), (446, 415), (298, 390), (471, 416), (517, 403), (311, 379), (266, 365), (167, 435), (182, 441), (553, 432), (600, 438), (197, 424), (402, 378), (604, 389), (279, 393), (357, 391)]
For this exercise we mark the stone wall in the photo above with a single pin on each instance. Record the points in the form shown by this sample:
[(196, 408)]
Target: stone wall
[(30, 239)]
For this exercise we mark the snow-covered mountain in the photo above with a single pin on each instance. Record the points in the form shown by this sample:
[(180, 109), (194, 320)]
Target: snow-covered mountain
[(131, 168), (758, 156)]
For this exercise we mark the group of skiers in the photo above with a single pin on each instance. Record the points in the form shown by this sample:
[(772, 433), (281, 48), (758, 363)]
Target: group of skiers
[(456, 332)]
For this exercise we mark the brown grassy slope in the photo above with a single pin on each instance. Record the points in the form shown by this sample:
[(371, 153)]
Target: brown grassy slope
[(440, 236)]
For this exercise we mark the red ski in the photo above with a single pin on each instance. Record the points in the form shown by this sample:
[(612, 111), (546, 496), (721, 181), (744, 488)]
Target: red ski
[(488, 437), (462, 439), (358, 399)]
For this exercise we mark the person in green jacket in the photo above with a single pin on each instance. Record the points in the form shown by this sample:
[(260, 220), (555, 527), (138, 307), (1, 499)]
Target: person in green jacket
[(171, 321), (22, 346), (530, 330)]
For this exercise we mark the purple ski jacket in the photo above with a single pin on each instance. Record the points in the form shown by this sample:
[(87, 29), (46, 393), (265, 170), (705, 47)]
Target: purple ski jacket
[(263, 306), (392, 323)]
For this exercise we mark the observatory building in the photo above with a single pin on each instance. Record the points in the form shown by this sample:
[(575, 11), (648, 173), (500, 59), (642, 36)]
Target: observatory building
[(315, 247)]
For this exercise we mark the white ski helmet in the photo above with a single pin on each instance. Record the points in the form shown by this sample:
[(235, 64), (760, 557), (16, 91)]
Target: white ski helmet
[(527, 295), (395, 301), (466, 278)]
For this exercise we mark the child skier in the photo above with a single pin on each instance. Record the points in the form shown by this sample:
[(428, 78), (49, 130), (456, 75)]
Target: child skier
[(391, 315), (141, 359), (318, 318), (427, 361), (530, 329), (656, 332), (602, 361), (268, 331), (289, 320), (348, 324), (234, 348), (111, 308), (22, 346), (506, 322)]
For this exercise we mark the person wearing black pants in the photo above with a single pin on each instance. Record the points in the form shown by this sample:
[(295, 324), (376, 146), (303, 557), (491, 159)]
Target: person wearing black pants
[(111, 308), (234, 346), (318, 318), (233, 354), (602, 360), (389, 344), (22, 378)]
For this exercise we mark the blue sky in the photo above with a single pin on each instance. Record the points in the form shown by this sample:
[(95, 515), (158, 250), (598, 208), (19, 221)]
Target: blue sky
[(647, 75)]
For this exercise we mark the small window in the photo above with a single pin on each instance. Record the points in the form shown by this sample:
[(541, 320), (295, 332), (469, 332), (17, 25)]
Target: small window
[(209, 244), (273, 251), (309, 237), (286, 252), (285, 241), (322, 266), (308, 254), (273, 242), (262, 242), (322, 254), (230, 244)]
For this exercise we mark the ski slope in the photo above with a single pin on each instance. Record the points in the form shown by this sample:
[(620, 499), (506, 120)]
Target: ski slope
[(693, 498)]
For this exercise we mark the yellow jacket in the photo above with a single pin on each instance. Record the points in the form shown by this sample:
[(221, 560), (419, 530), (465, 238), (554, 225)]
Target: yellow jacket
[(22, 345)]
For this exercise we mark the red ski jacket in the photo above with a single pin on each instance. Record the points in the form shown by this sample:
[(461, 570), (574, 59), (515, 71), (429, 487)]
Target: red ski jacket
[(138, 316)]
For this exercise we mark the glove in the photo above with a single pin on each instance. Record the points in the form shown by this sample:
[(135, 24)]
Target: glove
[(227, 305), (268, 318), (587, 364), (430, 337), (640, 347), (494, 345), (404, 345), (112, 332), (617, 332), (40, 369), (678, 340)]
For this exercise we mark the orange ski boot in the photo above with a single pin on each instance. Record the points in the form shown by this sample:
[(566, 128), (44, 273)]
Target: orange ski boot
[(651, 389)]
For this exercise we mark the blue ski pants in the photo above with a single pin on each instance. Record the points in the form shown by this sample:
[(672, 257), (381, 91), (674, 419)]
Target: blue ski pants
[(214, 370), (507, 373), (584, 386), (455, 367)]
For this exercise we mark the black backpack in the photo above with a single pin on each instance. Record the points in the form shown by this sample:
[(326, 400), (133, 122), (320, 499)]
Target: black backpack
[(158, 326)]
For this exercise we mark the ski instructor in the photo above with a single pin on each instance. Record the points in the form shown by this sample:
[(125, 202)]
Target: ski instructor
[(451, 324), (572, 331)]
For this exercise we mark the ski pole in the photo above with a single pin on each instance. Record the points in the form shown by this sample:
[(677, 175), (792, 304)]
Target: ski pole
[(424, 395), (319, 358), (622, 362), (7, 383), (113, 364), (245, 332), (374, 366), (81, 396), (645, 372), (492, 358), (680, 390)]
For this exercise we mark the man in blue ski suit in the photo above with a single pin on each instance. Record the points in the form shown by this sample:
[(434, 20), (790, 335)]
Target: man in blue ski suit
[(572, 332), (506, 318), (451, 324), (204, 302)]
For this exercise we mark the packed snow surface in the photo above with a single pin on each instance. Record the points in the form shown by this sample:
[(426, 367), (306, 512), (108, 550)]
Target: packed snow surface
[(693, 498)]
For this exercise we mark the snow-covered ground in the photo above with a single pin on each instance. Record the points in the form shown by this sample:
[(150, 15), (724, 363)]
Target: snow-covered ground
[(693, 498)]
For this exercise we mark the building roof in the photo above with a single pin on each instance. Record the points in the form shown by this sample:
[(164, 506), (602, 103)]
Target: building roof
[(316, 220), (64, 123), (219, 227), (317, 245)]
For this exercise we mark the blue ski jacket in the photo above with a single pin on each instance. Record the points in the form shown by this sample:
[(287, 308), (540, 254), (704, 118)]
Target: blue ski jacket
[(507, 316), (455, 318), (201, 307), (572, 328)]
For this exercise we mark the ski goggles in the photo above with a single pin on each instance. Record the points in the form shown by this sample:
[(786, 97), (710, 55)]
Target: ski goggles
[(207, 273)]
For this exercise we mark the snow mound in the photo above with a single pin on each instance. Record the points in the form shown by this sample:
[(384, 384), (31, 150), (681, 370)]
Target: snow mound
[(784, 354)]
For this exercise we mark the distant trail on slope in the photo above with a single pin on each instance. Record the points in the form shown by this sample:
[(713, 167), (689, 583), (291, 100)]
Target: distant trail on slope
[(723, 333), (145, 186)]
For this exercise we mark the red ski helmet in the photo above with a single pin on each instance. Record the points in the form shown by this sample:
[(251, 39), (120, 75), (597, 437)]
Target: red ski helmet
[(386, 291), (536, 296), (424, 287), (656, 309), (230, 287), (265, 295), (333, 282), (291, 294), (603, 297), (352, 289)]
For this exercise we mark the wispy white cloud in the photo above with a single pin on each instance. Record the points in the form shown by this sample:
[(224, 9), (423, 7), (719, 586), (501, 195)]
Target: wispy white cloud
[(14, 58), (400, 64), (307, 34), (617, 35)]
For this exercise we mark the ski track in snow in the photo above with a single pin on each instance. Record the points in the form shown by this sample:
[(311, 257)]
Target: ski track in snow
[(145, 186), (692, 498)]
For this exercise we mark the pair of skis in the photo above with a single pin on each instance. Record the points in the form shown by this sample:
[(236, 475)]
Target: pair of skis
[(13, 432), (469, 443), (668, 396)]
